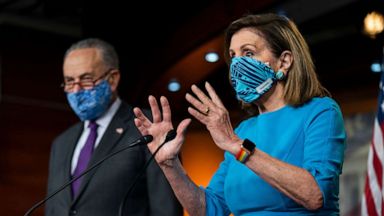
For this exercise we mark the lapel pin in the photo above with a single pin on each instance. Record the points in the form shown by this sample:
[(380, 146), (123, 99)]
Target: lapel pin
[(119, 130)]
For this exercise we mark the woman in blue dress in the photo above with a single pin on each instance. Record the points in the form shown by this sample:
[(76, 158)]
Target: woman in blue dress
[(286, 159)]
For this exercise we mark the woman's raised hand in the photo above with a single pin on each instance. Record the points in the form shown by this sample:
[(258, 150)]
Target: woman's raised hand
[(211, 112), (159, 127)]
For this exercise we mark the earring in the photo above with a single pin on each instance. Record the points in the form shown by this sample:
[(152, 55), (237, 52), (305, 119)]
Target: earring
[(280, 75)]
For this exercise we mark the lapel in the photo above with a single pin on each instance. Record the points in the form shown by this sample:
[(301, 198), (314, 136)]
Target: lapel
[(114, 132), (71, 142)]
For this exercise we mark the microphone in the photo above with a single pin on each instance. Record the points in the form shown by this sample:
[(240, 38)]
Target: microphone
[(170, 136), (141, 141)]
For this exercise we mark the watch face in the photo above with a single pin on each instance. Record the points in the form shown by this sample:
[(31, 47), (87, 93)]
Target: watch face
[(249, 145)]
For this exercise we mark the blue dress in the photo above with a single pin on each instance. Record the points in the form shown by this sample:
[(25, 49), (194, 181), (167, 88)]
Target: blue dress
[(311, 136)]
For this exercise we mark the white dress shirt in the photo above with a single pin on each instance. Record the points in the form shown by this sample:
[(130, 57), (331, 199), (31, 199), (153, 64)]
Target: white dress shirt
[(102, 123)]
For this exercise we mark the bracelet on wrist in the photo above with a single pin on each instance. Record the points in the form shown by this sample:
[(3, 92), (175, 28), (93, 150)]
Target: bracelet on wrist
[(246, 150)]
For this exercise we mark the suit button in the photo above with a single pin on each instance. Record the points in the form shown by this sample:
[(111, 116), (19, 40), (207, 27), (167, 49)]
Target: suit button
[(73, 212)]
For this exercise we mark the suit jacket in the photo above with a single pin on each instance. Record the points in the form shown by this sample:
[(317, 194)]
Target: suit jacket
[(103, 189)]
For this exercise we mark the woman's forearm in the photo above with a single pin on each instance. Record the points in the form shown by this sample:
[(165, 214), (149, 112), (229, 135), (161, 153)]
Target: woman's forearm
[(191, 197), (295, 182)]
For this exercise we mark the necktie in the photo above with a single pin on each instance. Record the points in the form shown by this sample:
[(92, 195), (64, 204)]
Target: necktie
[(84, 157)]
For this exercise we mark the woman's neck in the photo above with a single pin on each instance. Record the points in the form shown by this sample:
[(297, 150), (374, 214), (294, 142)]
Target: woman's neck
[(272, 100)]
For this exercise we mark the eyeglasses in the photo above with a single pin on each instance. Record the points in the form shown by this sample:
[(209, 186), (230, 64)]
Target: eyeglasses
[(84, 83)]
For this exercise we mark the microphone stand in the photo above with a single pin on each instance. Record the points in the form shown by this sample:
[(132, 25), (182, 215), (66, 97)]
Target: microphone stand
[(143, 140)]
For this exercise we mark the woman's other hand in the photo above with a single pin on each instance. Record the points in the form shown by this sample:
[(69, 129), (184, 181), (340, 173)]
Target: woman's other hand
[(211, 112)]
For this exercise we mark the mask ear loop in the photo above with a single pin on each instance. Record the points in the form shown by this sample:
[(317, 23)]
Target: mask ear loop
[(280, 75)]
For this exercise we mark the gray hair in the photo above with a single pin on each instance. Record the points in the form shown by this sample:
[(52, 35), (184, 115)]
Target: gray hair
[(108, 52)]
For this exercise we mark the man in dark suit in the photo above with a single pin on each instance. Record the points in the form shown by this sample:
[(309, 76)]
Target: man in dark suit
[(91, 77)]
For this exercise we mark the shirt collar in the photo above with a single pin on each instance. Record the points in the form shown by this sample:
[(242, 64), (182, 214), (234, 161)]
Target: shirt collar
[(106, 118)]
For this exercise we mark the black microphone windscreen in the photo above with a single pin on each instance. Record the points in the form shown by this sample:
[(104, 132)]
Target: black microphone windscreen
[(147, 139), (170, 135)]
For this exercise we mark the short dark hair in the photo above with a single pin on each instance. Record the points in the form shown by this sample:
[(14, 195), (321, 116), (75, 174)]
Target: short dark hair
[(108, 52)]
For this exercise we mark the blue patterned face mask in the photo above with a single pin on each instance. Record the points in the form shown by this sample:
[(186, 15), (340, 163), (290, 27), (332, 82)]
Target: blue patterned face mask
[(92, 103), (251, 78)]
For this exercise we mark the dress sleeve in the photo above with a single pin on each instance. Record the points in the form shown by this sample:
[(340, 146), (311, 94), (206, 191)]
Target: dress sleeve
[(324, 150), (214, 193)]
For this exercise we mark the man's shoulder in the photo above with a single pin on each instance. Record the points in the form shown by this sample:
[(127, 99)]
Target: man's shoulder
[(70, 132), (126, 107)]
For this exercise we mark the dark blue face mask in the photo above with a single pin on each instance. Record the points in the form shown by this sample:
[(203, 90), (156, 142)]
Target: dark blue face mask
[(252, 78), (92, 103)]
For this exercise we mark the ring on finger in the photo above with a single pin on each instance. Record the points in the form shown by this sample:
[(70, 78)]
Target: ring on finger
[(206, 111)]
